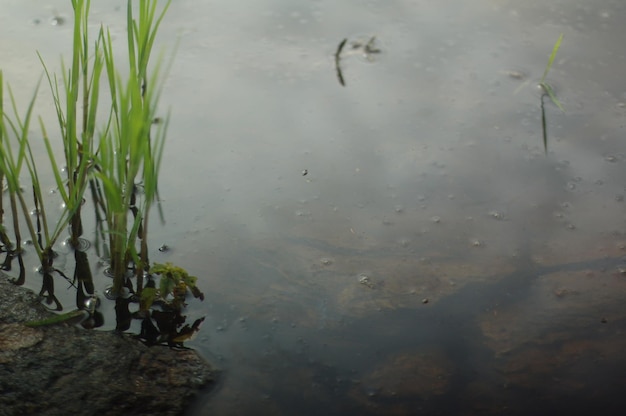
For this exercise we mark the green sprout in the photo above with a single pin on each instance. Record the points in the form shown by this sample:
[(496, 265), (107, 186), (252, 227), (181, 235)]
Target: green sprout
[(547, 90)]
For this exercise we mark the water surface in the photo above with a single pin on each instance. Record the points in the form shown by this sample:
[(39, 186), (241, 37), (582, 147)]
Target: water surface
[(433, 259)]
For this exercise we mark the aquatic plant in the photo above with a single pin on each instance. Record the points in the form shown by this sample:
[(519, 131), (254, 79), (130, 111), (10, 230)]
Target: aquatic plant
[(161, 306), (128, 152), (12, 160), (77, 140), (174, 285), (10, 168), (118, 160), (547, 90), (77, 152)]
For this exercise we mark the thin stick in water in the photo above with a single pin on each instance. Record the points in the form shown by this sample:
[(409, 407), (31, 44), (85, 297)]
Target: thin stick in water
[(337, 59)]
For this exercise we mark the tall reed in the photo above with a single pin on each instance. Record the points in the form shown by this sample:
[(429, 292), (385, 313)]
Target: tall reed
[(125, 157), (77, 138), (6, 173), (12, 160), (128, 152)]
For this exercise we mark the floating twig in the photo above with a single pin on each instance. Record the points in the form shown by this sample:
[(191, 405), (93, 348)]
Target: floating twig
[(544, 125), (337, 59)]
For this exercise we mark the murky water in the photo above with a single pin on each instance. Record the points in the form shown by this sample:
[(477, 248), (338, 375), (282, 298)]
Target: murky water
[(400, 244)]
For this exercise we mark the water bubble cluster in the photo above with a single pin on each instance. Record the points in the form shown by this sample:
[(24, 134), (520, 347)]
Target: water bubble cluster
[(326, 261), (366, 281)]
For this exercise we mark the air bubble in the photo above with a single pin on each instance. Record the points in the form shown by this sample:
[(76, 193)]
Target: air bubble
[(404, 242), (326, 261), (108, 293), (125, 293), (91, 303), (365, 280), (57, 21)]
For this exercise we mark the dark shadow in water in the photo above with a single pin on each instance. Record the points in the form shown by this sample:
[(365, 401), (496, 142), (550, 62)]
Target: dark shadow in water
[(7, 265), (450, 327)]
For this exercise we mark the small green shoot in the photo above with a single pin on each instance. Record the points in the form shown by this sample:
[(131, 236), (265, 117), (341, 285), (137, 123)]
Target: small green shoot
[(547, 89), (73, 317), (545, 86)]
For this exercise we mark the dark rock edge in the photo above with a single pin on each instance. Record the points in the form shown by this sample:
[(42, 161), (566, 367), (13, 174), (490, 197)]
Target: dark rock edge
[(61, 370)]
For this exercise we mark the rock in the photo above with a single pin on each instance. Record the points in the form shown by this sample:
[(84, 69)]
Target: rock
[(61, 370)]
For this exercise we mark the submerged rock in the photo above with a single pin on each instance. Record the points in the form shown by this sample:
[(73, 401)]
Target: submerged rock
[(61, 370)]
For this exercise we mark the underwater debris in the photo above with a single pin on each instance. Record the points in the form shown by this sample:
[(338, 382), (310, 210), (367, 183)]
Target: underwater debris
[(368, 49), (337, 59)]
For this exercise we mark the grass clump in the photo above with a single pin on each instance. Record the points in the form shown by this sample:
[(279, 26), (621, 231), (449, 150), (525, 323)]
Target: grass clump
[(128, 151), (118, 160)]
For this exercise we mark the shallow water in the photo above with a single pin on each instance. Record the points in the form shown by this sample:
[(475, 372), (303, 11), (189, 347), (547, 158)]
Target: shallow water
[(433, 259)]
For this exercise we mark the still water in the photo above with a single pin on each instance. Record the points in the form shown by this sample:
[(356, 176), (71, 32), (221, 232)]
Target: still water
[(400, 244)]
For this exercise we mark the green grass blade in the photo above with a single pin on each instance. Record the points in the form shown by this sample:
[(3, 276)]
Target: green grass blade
[(55, 169), (548, 89), (73, 317), (557, 45), (54, 87)]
